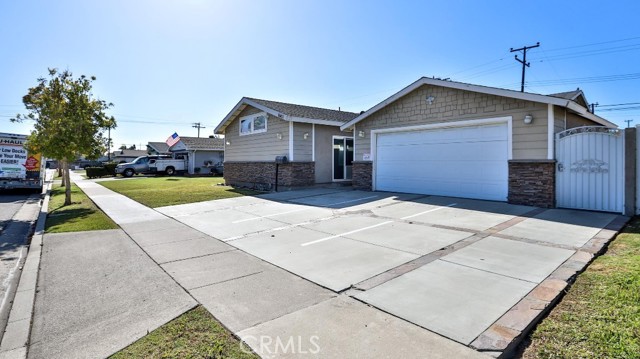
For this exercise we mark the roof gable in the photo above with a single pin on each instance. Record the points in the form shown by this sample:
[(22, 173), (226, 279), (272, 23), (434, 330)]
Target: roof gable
[(199, 143), (160, 147), (288, 112), (562, 102)]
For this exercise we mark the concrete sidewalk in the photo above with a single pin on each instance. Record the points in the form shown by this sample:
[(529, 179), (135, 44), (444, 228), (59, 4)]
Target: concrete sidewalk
[(98, 292), (245, 293)]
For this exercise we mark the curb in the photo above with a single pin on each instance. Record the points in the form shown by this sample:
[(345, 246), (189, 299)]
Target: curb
[(15, 341)]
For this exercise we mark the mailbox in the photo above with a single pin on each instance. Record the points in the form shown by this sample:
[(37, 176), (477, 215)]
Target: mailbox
[(281, 159)]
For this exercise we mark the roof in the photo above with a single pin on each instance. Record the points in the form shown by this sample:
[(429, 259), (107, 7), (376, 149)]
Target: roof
[(562, 102), (576, 95), (129, 153), (160, 147), (202, 143), (289, 112)]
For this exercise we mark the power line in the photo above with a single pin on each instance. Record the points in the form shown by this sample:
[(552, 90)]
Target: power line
[(198, 125)]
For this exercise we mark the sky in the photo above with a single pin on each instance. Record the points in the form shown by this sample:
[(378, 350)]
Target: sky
[(166, 65)]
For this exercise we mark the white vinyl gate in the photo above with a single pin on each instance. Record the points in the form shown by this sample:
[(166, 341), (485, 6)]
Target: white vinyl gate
[(590, 169)]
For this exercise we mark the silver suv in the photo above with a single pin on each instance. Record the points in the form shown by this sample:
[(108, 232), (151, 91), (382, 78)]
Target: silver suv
[(137, 166)]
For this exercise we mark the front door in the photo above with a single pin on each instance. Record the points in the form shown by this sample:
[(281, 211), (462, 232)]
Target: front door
[(342, 158)]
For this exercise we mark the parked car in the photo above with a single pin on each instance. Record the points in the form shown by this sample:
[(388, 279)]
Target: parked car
[(218, 169), (137, 166)]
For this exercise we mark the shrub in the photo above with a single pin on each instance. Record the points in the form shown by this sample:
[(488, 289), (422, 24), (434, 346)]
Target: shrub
[(94, 172), (110, 167)]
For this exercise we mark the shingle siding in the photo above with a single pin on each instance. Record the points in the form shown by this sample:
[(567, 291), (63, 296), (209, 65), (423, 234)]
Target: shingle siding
[(529, 141), (260, 146)]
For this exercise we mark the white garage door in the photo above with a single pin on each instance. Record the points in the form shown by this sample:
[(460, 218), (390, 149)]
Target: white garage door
[(468, 162)]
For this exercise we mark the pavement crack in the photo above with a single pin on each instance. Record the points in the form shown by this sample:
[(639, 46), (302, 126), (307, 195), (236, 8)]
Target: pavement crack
[(226, 280)]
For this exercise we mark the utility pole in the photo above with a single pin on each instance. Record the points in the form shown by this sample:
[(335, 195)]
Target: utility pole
[(198, 125), (593, 107), (628, 123), (524, 62)]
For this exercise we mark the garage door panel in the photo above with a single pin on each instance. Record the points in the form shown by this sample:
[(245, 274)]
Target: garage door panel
[(461, 162), (442, 151)]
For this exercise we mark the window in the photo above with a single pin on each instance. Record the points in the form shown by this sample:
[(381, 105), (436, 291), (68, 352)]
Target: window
[(253, 124)]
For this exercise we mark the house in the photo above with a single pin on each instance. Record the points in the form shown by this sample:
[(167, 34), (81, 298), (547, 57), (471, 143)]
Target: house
[(433, 137), (257, 131), (461, 140), (157, 148), (122, 156), (201, 153)]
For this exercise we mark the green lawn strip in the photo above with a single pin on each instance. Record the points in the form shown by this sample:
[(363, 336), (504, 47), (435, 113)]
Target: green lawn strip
[(81, 215), (600, 315), (194, 334), (167, 191)]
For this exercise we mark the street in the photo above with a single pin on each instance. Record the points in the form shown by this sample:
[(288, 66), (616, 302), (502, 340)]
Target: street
[(18, 211)]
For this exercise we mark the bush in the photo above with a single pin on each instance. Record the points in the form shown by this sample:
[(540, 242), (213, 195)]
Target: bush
[(110, 168), (95, 172)]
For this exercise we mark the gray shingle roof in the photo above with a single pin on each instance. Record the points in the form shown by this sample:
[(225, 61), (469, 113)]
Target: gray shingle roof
[(203, 143), (161, 147), (569, 95), (309, 112)]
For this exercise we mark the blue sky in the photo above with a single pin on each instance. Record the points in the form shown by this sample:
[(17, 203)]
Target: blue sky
[(167, 64)]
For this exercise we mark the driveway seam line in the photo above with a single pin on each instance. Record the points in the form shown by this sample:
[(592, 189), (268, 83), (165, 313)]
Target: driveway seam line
[(488, 271)]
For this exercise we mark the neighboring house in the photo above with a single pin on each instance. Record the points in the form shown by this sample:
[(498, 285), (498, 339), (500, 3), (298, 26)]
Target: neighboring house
[(157, 148), (122, 156), (201, 153), (460, 140), (257, 131)]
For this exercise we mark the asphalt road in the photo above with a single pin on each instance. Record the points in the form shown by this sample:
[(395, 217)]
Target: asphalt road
[(18, 211)]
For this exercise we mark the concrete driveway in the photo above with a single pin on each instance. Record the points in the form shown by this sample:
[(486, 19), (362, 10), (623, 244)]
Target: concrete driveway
[(476, 272)]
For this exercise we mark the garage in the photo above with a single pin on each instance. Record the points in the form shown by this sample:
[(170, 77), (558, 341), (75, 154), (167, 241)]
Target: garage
[(468, 162)]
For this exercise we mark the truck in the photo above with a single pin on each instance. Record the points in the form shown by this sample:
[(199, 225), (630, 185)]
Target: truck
[(168, 166), (138, 166), (19, 169)]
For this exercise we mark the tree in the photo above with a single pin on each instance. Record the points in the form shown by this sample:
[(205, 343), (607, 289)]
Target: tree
[(132, 147), (69, 121), (123, 147)]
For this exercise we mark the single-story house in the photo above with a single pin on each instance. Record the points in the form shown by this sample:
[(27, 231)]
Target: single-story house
[(434, 137), (158, 148), (122, 156), (201, 153), (257, 131)]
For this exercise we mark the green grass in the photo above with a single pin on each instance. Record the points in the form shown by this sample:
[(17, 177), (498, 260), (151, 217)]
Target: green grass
[(600, 315), (195, 334), (81, 215), (168, 191)]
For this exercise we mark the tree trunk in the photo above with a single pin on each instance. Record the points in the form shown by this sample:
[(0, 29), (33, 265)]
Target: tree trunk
[(67, 182), (61, 172)]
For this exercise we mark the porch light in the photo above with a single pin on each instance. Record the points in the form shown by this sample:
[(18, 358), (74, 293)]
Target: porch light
[(528, 119), (279, 135), (306, 135), (361, 134), (228, 143)]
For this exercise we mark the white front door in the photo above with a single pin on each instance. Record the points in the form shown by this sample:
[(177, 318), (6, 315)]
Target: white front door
[(468, 162)]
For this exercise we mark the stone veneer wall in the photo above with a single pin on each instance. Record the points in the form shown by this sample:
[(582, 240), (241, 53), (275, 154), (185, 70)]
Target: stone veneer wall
[(532, 183), (361, 175), (262, 175)]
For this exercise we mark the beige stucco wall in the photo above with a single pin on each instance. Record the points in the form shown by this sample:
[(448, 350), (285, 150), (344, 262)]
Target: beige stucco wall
[(324, 151), (263, 146), (529, 141)]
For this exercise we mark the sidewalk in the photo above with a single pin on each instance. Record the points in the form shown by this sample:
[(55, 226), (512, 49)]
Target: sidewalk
[(245, 293)]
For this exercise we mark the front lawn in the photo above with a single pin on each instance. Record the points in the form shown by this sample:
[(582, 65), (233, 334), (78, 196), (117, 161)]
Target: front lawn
[(81, 215), (195, 334), (169, 191), (600, 315)]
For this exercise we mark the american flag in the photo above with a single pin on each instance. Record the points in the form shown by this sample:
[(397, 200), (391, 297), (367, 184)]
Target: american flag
[(173, 139)]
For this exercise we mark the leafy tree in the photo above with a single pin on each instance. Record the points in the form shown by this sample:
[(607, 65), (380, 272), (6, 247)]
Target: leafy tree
[(123, 147), (132, 147), (69, 121)]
